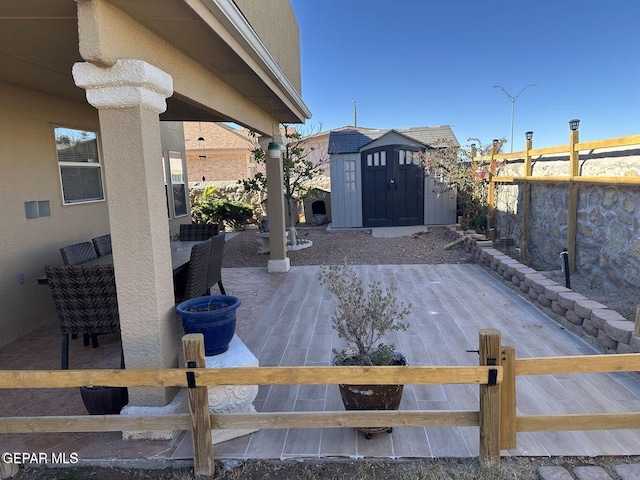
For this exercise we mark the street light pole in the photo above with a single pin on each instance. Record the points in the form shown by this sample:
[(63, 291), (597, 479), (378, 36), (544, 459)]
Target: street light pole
[(513, 104)]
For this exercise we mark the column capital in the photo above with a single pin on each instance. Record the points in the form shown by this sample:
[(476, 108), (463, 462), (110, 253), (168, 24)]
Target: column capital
[(128, 83)]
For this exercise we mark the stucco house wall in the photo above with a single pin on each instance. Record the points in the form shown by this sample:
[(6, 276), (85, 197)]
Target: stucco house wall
[(276, 24), (30, 173)]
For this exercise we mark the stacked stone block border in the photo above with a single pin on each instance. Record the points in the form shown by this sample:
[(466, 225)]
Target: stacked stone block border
[(604, 328)]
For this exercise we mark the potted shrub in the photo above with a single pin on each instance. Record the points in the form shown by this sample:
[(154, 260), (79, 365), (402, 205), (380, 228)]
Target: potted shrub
[(361, 319), (214, 316), (101, 400), (104, 400)]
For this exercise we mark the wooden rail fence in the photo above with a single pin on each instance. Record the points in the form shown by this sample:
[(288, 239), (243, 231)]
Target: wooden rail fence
[(496, 417), (573, 179)]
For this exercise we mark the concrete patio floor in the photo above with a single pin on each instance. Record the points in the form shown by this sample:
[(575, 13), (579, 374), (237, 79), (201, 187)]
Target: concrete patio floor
[(285, 320)]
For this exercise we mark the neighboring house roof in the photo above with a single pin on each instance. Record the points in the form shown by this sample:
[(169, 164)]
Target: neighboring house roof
[(351, 139), (432, 136)]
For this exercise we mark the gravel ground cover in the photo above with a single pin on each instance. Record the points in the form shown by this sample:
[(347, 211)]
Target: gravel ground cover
[(358, 247)]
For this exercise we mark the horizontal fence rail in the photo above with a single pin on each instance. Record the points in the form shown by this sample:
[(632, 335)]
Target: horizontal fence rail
[(496, 418), (200, 422), (263, 420), (622, 362), (177, 377), (580, 364)]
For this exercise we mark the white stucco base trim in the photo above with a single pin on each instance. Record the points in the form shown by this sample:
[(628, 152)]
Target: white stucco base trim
[(178, 405), (232, 398), (222, 399), (279, 266)]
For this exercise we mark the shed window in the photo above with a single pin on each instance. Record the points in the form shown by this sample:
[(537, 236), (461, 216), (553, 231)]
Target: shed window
[(79, 165), (350, 175), (377, 159), (407, 157)]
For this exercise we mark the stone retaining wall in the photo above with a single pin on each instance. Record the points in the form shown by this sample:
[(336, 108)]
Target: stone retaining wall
[(604, 328), (608, 217)]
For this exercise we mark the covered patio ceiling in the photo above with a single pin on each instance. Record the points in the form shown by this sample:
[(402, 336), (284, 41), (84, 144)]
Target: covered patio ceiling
[(39, 45)]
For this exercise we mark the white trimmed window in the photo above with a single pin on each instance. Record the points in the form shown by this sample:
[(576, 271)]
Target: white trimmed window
[(79, 166), (178, 185), (350, 176), (407, 157)]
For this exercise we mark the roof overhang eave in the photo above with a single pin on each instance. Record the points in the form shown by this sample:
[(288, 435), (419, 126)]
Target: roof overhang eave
[(236, 23)]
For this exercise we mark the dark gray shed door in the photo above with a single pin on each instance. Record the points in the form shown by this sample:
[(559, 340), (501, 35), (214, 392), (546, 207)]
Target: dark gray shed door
[(392, 187)]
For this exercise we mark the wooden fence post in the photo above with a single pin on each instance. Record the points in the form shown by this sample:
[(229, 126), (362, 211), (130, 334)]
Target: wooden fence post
[(491, 191), (508, 399), (490, 350), (193, 348), (526, 199), (8, 470), (572, 212)]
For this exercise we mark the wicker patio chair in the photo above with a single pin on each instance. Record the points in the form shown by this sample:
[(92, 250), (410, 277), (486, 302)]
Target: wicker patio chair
[(194, 283), (78, 253), (102, 245), (215, 263), (85, 300), (194, 232)]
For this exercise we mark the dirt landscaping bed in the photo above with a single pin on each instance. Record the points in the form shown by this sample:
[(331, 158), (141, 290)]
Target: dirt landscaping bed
[(512, 468)]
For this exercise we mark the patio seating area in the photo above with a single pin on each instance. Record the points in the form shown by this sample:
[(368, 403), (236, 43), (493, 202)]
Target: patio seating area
[(285, 320)]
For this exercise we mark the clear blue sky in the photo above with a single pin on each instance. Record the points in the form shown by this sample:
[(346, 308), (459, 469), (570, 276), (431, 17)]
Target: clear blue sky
[(422, 62)]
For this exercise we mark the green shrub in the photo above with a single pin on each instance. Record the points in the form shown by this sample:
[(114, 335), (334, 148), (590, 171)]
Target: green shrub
[(228, 212), (198, 198)]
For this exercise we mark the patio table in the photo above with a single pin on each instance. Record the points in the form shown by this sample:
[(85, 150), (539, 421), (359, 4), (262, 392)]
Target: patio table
[(180, 255)]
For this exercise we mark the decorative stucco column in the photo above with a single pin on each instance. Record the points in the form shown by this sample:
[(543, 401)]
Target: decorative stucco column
[(278, 260), (129, 97)]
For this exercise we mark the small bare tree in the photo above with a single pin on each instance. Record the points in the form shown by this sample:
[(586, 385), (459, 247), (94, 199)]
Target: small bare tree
[(457, 169), (300, 167)]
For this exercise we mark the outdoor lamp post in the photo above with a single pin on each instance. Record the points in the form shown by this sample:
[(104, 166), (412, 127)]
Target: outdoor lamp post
[(528, 135), (273, 150), (513, 103), (572, 210)]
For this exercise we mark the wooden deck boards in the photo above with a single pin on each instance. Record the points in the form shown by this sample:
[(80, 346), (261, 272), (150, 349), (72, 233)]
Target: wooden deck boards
[(450, 305), (290, 325)]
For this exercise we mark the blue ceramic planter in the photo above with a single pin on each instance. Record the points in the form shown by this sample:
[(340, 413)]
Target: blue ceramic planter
[(214, 316)]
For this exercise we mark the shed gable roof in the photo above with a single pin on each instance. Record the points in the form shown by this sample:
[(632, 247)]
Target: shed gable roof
[(393, 137), (351, 139)]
